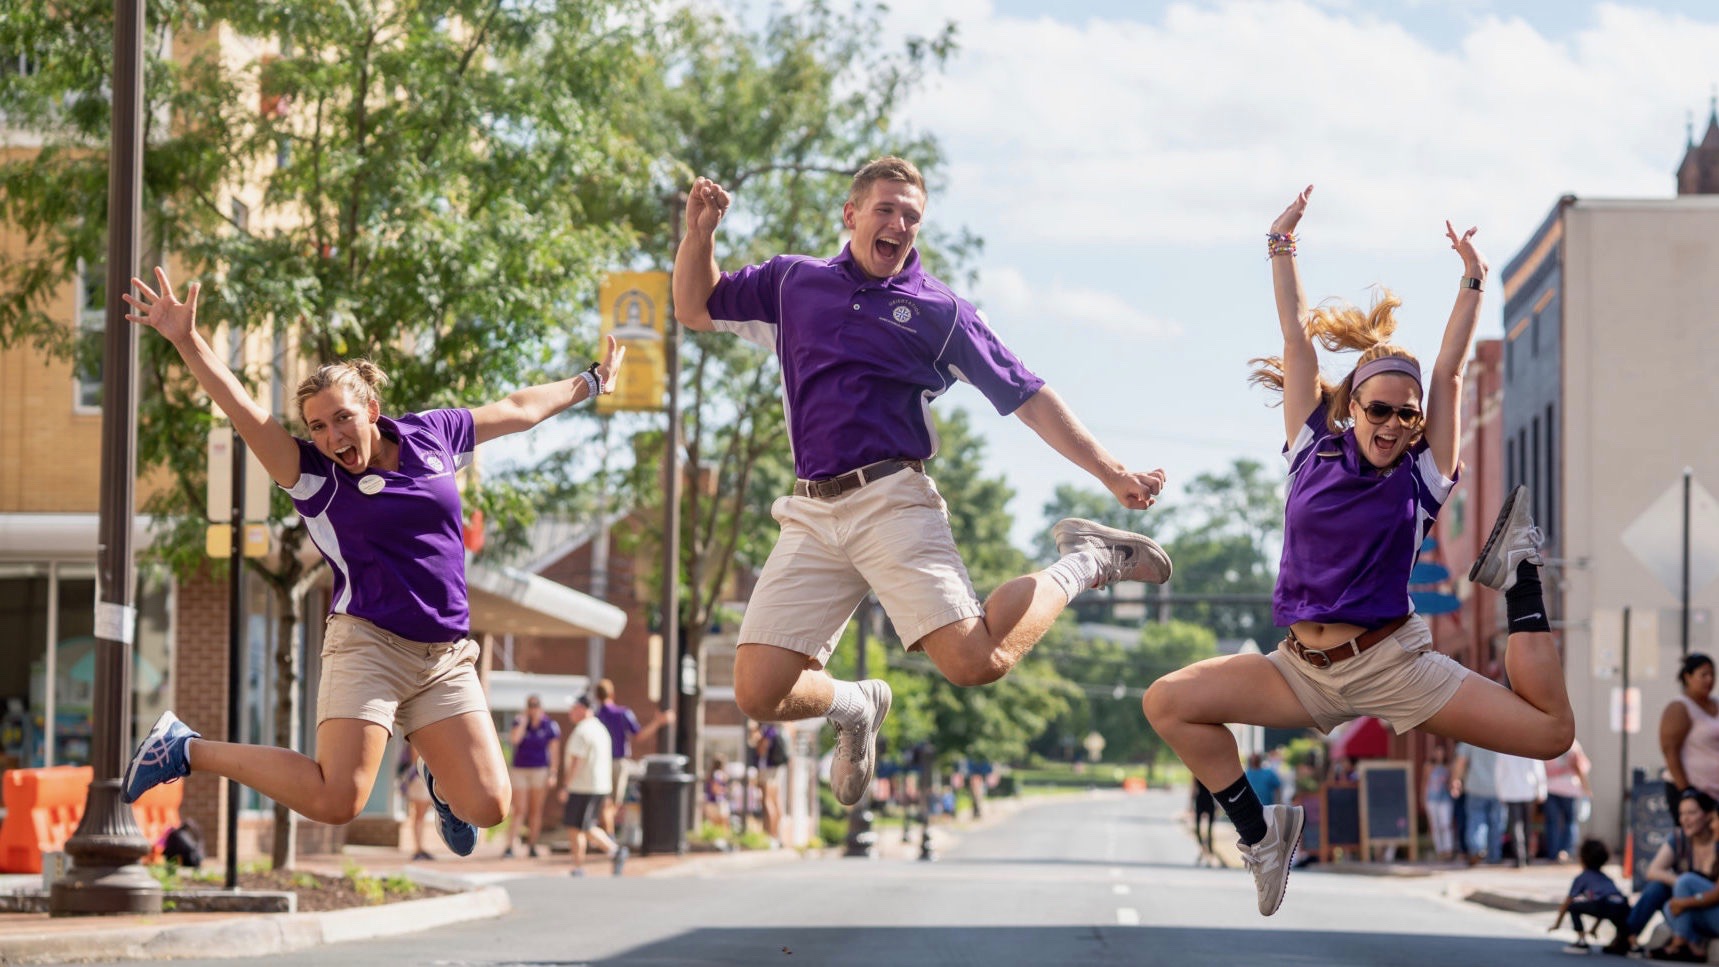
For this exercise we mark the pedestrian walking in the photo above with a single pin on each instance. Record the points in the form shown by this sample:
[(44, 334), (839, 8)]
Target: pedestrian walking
[(417, 796), (536, 740), (379, 498), (624, 730), (1205, 815), (587, 779), (1567, 791), (1521, 783), (1372, 459), (1474, 779), (1440, 805), (867, 340)]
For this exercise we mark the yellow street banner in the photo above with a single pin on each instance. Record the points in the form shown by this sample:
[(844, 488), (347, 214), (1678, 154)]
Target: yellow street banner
[(635, 311)]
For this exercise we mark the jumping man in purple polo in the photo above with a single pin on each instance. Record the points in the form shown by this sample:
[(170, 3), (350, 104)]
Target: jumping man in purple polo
[(1369, 469), (867, 340), (381, 502)]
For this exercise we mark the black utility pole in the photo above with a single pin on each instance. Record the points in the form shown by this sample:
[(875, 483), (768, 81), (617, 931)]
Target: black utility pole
[(862, 839), (671, 512), (105, 875), (1688, 477), (1623, 757), (235, 640)]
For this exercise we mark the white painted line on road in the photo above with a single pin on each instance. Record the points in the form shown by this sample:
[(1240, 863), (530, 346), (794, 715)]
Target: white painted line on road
[(1120, 889), (1116, 872), (1127, 917)]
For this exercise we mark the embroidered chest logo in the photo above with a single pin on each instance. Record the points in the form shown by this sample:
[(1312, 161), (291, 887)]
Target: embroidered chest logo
[(902, 312), (435, 463)]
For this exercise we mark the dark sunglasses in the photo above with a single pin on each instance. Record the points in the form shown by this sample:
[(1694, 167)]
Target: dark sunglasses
[(1379, 413)]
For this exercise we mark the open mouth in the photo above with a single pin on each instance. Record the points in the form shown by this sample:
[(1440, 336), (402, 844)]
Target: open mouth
[(1385, 444), (888, 250), (349, 458)]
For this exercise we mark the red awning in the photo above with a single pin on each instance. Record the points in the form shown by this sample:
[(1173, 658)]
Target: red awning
[(1365, 738)]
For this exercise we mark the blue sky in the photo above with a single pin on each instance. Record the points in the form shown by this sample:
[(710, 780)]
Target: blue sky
[(1123, 160)]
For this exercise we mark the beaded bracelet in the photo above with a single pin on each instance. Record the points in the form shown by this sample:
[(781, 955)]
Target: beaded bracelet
[(1279, 243)]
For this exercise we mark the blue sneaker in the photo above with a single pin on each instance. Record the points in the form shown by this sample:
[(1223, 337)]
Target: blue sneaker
[(460, 835), (159, 758)]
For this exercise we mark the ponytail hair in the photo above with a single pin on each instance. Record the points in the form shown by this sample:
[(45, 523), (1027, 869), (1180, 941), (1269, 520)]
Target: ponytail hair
[(1339, 327), (363, 378)]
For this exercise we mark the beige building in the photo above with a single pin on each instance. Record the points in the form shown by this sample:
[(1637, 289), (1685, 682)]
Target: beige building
[(1609, 386)]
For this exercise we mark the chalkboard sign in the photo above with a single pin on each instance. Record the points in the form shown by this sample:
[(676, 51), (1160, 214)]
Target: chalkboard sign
[(1650, 825), (1342, 818), (1388, 805), (1313, 814)]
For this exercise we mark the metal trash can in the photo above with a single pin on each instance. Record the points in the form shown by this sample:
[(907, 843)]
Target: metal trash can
[(665, 804)]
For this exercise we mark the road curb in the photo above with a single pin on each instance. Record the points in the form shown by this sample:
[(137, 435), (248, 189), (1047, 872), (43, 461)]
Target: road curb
[(1498, 900), (252, 936)]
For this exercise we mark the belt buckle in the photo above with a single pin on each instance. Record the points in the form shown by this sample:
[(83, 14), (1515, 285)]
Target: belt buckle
[(1317, 659), (825, 489)]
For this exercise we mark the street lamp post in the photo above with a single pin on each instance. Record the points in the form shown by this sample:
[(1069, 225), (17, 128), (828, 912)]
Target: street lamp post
[(862, 839), (105, 875)]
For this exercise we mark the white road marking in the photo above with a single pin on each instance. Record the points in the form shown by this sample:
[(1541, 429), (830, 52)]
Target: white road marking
[(1127, 917), (1120, 889)]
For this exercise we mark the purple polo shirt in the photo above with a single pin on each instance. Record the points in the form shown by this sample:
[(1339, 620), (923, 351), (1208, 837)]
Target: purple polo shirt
[(862, 357), (622, 725), (392, 538), (532, 752), (1351, 531)]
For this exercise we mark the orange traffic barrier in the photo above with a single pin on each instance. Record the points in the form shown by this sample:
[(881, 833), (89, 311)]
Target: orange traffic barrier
[(1134, 784), (44, 807)]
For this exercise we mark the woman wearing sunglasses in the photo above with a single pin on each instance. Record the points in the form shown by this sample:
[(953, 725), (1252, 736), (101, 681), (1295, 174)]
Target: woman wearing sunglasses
[(1371, 460)]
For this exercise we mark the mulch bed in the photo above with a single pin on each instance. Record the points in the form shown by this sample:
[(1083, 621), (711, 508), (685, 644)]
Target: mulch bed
[(318, 892)]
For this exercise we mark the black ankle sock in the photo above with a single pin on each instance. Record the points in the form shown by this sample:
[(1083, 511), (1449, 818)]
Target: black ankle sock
[(1243, 807), (1524, 602)]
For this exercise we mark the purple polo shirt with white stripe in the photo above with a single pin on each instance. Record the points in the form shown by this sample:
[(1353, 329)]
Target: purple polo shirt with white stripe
[(1350, 530), (396, 553), (862, 358)]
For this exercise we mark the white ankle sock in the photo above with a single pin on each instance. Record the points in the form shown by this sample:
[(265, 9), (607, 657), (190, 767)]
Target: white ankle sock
[(850, 710), (1075, 572)]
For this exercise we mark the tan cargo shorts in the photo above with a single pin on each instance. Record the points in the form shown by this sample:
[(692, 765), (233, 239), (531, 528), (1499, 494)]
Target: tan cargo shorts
[(372, 674), (1401, 680)]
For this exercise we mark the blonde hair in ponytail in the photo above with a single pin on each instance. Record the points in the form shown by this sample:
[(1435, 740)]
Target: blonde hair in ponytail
[(1339, 327), (360, 376)]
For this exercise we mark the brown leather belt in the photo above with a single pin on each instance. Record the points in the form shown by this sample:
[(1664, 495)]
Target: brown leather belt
[(829, 488), (1349, 649)]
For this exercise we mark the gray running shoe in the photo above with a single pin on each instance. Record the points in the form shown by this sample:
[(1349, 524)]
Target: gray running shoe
[(1269, 859), (1514, 539), (1124, 556), (855, 759)]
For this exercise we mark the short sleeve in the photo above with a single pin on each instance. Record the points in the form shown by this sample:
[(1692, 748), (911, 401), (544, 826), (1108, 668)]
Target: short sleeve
[(975, 355), (456, 429), (748, 303)]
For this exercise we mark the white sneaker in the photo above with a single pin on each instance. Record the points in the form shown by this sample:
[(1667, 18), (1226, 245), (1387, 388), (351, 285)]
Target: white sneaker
[(1269, 859), (1123, 555), (1514, 539), (855, 759)]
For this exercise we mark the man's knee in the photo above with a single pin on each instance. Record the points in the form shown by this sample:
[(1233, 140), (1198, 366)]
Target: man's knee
[(1159, 702), (976, 671), (758, 698), (487, 811), (335, 808)]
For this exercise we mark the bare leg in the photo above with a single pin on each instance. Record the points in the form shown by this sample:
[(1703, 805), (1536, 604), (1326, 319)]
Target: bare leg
[(516, 815), (331, 788), (534, 809), (1534, 720), (464, 755), (576, 839), (979, 651), (774, 684), (601, 838), (1190, 708)]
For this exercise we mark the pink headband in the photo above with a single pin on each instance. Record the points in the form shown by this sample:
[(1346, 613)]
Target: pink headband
[(1386, 364)]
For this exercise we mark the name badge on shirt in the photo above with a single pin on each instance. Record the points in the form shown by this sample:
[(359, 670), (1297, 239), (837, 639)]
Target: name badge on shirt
[(371, 484)]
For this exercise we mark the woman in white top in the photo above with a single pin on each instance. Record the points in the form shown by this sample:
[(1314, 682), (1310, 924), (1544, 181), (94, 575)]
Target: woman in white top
[(1689, 732)]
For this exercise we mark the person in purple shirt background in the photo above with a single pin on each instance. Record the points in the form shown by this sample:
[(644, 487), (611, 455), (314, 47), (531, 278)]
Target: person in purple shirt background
[(1369, 469), (624, 730), (381, 502), (866, 341), (536, 741)]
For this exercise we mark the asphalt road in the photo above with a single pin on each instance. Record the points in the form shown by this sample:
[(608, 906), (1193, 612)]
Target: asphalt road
[(1102, 880)]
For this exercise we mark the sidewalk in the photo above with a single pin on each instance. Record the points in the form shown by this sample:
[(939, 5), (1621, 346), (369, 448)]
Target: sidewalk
[(37, 938)]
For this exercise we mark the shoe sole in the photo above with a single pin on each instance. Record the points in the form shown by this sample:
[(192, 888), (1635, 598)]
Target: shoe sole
[(871, 759), (1506, 516), (1289, 862), (160, 728), (1162, 567)]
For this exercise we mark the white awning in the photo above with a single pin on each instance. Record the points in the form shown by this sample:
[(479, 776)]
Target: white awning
[(59, 537), (508, 601), (508, 690)]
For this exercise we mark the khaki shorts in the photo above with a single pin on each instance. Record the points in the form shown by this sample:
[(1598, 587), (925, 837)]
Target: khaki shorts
[(891, 536), (1401, 680), (622, 771), (529, 778), (378, 676)]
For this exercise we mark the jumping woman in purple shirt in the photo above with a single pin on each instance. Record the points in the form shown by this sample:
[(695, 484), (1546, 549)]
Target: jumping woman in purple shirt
[(1370, 465), (381, 502), (866, 341)]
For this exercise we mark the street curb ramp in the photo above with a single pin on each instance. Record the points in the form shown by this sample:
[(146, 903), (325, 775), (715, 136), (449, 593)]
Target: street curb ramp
[(253, 936)]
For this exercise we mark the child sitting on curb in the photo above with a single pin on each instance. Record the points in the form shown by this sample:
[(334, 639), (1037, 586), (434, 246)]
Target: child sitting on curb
[(1593, 893)]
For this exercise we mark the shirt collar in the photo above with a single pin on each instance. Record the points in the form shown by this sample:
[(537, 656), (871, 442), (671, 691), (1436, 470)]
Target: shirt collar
[(910, 279)]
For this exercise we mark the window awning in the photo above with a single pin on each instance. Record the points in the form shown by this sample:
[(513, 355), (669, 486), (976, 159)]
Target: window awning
[(508, 601)]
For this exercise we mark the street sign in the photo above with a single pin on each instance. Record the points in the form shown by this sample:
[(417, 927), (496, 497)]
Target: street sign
[(219, 471), (1656, 537), (1606, 633), (634, 309)]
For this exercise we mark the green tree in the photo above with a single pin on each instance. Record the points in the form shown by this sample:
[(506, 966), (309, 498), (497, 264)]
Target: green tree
[(430, 184)]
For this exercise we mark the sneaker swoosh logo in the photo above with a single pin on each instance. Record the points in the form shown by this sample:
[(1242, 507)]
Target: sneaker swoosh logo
[(1235, 798), (1537, 614)]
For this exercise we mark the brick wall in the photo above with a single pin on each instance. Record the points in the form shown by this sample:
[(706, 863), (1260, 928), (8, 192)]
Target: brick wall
[(200, 691)]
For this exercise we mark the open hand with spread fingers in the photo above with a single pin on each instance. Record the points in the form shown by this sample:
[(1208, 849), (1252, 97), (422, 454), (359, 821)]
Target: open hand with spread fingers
[(162, 311)]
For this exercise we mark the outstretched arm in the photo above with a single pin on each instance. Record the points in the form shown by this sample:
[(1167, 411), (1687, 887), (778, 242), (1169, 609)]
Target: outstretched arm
[(177, 322), (1056, 424), (524, 409), (695, 269), (1300, 361), (1444, 392)]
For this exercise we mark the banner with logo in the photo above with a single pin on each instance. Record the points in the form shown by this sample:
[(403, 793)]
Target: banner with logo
[(634, 308)]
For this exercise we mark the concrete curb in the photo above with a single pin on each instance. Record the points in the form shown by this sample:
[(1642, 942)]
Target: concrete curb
[(1500, 900), (252, 936)]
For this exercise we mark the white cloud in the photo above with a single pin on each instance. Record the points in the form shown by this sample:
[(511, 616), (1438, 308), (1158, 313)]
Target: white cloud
[(1011, 302), (1197, 127)]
